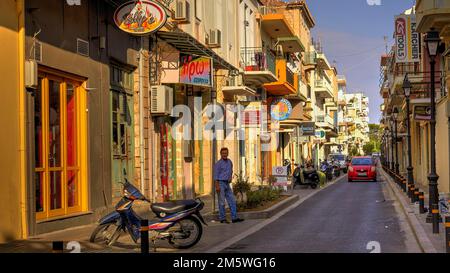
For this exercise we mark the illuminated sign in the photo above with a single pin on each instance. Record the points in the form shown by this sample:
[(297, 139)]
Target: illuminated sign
[(195, 70), (281, 109), (140, 17)]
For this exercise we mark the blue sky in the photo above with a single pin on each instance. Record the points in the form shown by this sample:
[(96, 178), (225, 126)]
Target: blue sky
[(352, 35)]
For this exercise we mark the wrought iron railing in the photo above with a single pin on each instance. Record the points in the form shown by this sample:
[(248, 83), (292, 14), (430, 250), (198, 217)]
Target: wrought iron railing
[(257, 59)]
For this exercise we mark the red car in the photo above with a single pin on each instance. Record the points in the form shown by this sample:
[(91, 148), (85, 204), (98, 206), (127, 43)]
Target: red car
[(362, 168)]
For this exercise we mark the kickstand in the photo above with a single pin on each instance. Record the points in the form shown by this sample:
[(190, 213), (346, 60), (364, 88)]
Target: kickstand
[(154, 245)]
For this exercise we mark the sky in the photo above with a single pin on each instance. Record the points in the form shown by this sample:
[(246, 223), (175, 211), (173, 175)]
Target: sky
[(352, 36)]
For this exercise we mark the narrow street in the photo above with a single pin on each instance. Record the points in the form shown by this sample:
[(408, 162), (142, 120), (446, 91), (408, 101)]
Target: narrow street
[(343, 218)]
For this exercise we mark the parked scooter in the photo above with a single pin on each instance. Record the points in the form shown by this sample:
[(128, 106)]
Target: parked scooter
[(310, 177), (287, 163), (179, 222), (336, 169), (328, 169)]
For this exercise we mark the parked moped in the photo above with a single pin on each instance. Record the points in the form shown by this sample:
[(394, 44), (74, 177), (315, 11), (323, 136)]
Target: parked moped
[(305, 177), (179, 222)]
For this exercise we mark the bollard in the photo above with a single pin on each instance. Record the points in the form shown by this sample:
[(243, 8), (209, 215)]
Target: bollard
[(422, 203), (447, 233), (416, 196), (435, 217), (144, 237), (411, 190), (58, 247), (404, 185)]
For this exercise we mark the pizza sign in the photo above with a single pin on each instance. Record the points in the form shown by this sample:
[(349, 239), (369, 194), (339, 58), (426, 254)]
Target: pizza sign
[(140, 17)]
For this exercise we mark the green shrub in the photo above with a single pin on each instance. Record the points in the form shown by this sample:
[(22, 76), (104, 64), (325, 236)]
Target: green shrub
[(261, 196)]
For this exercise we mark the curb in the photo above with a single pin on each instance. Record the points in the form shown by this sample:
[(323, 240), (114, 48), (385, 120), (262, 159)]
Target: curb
[(419, 233), (267, 213)]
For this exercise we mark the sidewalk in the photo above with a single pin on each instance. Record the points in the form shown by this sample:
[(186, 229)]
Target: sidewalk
[(214, 234), (429, 242)]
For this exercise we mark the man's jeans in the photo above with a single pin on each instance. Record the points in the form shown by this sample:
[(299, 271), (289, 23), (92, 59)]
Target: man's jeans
[(226, 193)]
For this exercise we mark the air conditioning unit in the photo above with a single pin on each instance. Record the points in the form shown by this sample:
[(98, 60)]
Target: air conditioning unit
[(182, 11), (161, 100), (215, 38), (31, 74), (235, 80)]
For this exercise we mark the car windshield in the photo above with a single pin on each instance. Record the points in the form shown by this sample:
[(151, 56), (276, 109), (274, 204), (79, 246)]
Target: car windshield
[(338, 157), (361, 161)]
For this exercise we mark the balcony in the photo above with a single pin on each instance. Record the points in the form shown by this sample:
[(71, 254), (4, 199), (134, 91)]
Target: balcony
[(310, 58), (286, 80), (259, 66), (274, 23), (323, 88), (322, 61), (433, 13), (324, 121)]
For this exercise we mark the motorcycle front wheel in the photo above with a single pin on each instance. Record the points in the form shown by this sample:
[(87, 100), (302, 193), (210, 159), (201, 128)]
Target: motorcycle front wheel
[(186, 233), (106, 233)]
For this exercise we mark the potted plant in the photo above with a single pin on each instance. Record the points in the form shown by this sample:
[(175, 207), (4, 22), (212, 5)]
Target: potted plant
[(241, 187)]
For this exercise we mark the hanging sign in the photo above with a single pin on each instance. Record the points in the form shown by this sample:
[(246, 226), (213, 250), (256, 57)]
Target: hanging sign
[(195, 70), (307, 129), (280, 109), (140, 17), (407, 40)]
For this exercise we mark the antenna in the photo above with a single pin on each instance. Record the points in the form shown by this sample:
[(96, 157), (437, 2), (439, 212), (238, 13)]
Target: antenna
[(386, 43)]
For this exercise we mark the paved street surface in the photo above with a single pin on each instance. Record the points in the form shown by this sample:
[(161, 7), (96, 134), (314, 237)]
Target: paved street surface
[(344, 217)]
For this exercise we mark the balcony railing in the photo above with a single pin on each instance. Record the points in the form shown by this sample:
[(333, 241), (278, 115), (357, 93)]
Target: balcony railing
[(310, 58), (290, 76), (323, 83), (257, 59)]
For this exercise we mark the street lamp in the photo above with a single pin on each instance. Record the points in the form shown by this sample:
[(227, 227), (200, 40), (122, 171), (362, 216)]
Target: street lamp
[(407, 89), (433, 40), (395, 116)]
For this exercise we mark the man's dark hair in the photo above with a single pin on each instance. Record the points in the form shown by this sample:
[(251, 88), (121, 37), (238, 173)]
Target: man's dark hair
[(224, 149)]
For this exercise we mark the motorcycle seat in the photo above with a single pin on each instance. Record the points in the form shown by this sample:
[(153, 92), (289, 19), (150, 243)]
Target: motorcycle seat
[(309, 171), (173, 207)]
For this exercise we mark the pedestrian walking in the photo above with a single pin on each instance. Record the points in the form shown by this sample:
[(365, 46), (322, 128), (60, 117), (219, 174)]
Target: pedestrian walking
[(223, 172)]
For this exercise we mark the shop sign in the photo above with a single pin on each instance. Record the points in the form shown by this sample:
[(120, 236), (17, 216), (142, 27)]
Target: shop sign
[(422, 112), (140, 17), (407, 40), (320, 134), (195, 70), (307, 129), (280, 109), (281, 176)]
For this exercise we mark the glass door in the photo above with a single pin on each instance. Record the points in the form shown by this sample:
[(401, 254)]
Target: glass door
[(57, 154)]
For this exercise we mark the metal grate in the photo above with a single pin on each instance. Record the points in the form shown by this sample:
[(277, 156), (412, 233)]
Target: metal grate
[(83, 47)]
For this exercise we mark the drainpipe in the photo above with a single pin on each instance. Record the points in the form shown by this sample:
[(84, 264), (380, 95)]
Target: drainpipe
[(141, 113)]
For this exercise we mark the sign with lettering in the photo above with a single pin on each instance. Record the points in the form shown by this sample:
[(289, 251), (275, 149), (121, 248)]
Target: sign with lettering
[(280, 109), (422, 112), (195, 70), (307, 129), (407, 40), (140, 17)]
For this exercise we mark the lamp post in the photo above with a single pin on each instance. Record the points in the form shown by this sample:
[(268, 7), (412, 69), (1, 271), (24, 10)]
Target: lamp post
[(407, 89), (392, 146), (432, 40), (395, 116)]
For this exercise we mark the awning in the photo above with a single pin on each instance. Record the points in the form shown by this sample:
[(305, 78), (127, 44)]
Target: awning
[(240, 90), (185, 43)]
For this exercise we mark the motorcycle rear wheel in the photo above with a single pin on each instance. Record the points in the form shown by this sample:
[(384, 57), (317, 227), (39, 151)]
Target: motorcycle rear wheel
[(106, 233), (190, 227)]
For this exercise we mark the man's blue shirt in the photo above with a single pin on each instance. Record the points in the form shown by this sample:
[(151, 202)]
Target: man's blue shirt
[(223, 170)]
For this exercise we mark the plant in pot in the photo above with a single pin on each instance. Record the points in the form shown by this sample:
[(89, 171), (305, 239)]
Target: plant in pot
[(240, 188)]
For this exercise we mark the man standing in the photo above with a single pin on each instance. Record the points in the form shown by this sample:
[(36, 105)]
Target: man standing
[(223, 173)]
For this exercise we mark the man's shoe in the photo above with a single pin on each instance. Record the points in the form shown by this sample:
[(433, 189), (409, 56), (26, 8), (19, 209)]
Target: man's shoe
[(237, 220), (224, 222)]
